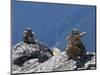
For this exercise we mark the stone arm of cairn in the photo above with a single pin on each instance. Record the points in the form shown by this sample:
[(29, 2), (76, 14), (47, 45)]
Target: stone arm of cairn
[(34, 38), (33, 33), (68, 40), (83, 33)]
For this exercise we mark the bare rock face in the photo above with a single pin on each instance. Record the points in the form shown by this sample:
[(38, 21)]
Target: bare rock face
[(23, 52), (32, 64)]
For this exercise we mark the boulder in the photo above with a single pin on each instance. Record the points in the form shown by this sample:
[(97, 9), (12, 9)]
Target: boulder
[(23, 52), (59, 63)]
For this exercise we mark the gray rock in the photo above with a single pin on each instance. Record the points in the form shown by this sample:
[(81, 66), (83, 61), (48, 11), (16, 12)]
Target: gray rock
[(52, 63), (56, 63), (23, 52)]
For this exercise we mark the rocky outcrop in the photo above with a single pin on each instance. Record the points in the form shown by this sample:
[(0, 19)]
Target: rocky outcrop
[(23, 52), (51, 63)]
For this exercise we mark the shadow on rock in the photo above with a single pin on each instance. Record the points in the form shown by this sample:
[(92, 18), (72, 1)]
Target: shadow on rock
[(42, 56), (82, 60)]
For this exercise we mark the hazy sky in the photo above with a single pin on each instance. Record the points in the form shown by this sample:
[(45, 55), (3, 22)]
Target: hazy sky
[(53, 22)]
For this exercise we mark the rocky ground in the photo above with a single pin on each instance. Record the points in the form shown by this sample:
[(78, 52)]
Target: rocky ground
[(49, 62)]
